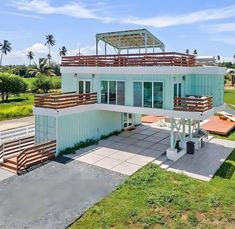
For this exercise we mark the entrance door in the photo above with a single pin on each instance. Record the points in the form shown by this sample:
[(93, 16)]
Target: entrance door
[(127, 120), (178, 90), (84, 86)]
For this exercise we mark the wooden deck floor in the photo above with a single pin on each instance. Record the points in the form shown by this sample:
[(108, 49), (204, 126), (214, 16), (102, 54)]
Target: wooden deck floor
[(219, 126), (151, 118)]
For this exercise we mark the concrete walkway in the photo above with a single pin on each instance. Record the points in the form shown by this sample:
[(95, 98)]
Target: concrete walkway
[(54, 195), (10, 124)]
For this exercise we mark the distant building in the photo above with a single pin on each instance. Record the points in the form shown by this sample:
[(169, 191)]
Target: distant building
[(206, 60)]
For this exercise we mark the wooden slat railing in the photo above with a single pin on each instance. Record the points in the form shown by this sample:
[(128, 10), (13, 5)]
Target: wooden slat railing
[(122, 60), (200, 104), (12, 148), (35, 155), (59, 101)]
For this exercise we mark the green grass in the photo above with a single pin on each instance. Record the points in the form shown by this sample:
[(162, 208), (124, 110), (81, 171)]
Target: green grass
[(17, 107), (229, 97), (230, 136), (155, 198), (29, 81)]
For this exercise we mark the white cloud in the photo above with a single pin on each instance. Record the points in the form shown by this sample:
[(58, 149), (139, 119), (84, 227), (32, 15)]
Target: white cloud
[(40, 51), (225, 40), (223, 27), (73, 9), (182, 19), (21, 14)]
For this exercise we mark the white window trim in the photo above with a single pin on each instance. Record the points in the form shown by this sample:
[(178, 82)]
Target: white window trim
[(84, 84), (116, 89), (142, 102)]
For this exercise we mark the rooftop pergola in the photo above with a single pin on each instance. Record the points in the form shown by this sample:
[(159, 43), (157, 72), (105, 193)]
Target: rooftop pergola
[(129, 39)]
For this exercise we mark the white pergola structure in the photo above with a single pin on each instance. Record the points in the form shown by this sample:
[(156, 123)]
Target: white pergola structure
[(129, 40)]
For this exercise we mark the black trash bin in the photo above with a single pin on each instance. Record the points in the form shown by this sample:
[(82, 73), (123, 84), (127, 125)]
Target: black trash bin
[(190, 147)]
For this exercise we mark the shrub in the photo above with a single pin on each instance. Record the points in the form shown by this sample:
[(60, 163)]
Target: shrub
[(192, 219), (11, 84), (42, 84)]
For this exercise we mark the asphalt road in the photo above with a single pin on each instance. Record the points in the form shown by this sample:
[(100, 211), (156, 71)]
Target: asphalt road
[(54, 195)]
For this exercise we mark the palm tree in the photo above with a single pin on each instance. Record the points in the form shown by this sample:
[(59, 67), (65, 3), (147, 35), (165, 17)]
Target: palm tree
[(63, 51), (50, 41), (42, 68), (187, 51), (5, 48), (195, 52), (30, 56)]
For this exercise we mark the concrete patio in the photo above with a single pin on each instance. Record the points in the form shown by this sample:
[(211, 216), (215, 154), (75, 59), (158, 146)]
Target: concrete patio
[(131, 150)]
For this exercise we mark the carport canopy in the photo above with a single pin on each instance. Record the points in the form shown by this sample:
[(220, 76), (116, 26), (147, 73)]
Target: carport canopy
[(129, 39)]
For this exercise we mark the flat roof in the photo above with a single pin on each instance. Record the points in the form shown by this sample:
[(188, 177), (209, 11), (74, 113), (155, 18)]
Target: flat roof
[(131, 39)]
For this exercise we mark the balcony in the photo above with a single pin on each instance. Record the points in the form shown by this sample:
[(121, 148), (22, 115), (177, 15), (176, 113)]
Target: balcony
[(64, 100), (191, 103), (130, 60)]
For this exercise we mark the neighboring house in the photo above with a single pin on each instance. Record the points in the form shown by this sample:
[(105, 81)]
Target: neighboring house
[(104, 93)]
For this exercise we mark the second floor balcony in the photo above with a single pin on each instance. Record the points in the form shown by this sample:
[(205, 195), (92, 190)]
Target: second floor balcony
[(73, 99)]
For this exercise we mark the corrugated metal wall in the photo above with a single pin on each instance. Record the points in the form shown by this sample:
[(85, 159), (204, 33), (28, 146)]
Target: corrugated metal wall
[(45, 128), (79, 127)]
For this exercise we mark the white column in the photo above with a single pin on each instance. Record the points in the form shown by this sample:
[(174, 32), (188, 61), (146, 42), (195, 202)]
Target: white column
[(172, 134)]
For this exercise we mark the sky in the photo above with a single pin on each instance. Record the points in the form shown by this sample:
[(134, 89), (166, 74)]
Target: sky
[(205, 25)]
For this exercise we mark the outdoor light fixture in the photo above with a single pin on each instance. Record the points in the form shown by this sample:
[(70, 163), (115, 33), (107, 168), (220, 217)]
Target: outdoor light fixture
[(75, 75), (183, 77), (93, 75)]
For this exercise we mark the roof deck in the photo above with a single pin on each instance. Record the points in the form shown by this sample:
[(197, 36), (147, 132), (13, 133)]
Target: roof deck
[(130, 60)]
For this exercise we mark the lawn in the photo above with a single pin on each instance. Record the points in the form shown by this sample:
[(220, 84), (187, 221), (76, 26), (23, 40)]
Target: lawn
[(22, 105), (230, 136), (17, 107), (156, 198), (229, 97)]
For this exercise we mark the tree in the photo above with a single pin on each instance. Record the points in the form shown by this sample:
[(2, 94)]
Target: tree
[(187, 51), (63, 51), (218, 58), (5, 48), (42, 68), (11, 84), (195, 52), (42, 83), (30, 56), (50, 41)]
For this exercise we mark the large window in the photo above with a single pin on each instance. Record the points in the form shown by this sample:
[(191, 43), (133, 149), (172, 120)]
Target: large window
[(104, 91), (138, 94), (148, 97), (157, 94), (148, 94), (84, 86), (120, 92), (113, 92)]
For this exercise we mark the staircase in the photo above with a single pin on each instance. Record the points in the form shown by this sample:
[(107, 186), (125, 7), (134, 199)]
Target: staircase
[(31, 155)]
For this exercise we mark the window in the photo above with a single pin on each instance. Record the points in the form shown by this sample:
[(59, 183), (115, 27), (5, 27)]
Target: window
[(148, 94), (88, 86), (84, 86), (137, 94), (179, 92), (157, 94), (120, 92), (113, 92), (175, 90), (81, 88), (104, 91)]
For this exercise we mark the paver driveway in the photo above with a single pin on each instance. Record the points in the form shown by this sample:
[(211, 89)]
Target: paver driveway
[(127, 152), (54, 195)]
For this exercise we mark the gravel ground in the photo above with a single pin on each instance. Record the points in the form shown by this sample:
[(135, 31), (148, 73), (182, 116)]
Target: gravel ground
[(53, 195)]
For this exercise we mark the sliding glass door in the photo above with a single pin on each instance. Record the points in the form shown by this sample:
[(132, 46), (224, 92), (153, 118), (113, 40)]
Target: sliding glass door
[(148, 94), (113, 92)]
